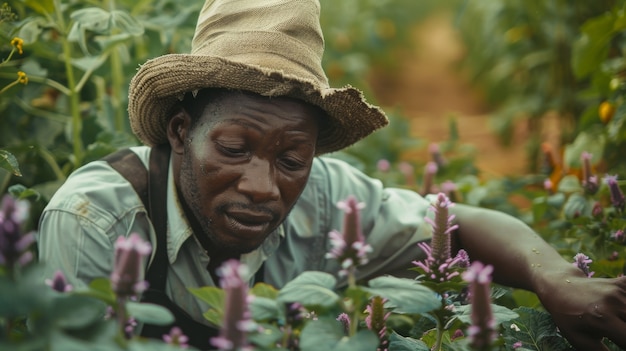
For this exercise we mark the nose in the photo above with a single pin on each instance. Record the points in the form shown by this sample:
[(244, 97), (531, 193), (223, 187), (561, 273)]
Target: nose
[(258, 182)]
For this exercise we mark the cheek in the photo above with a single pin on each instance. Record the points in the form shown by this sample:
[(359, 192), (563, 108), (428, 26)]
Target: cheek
[(292, 188)]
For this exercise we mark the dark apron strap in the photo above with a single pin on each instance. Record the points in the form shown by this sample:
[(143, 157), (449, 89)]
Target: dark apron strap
[(152, 188)]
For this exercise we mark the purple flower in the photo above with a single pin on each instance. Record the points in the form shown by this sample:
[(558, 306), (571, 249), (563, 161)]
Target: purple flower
[(58, 282), (428, 182), (597, 211), (344, 319), (618, 236), (482, 331), (126, 278), (349, 248), (438, 265), (13, 245), (547, 184), (376, 320), (590, 181), (236, 322), (582, 262), (436, 155), (177, 338), (517, 345), (383, 165), (617, 197), (442, 227)]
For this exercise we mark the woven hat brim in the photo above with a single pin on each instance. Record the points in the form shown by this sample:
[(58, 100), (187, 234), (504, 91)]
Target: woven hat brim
[(160, 82)]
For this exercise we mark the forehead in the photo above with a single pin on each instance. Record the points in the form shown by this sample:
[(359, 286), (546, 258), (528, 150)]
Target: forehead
[(242, 105)]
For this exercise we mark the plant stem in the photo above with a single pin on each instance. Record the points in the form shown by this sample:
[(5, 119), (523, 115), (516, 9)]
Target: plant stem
[(77, 123), (439, 340), (9, 86), (47, 156)]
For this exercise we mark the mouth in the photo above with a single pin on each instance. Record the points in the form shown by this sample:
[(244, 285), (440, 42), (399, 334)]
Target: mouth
[(248, 224)]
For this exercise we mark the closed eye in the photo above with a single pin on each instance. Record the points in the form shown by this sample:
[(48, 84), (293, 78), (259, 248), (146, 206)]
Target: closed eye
[(232, 151)]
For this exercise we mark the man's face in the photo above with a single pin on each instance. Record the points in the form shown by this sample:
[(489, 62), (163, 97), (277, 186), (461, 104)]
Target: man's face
[(244, 165)]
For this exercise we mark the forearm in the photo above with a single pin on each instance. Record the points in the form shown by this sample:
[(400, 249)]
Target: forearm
[(521, 258)]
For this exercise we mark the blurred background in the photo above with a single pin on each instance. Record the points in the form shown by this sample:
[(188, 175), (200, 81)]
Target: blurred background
[(496, 97)]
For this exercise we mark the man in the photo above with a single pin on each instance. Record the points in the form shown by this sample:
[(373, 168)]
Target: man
[(234, 130)]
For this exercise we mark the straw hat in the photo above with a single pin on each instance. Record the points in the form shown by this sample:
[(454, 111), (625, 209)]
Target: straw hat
[(270, 47)]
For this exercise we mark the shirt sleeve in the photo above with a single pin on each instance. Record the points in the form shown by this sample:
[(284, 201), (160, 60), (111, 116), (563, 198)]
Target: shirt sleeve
[(79, 226), (392, 222)]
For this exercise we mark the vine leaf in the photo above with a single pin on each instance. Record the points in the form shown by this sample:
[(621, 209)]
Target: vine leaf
[(9, 162), (535, 329)]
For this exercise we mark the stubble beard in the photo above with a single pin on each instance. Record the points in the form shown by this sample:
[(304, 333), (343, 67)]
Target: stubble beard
[(191, 197)]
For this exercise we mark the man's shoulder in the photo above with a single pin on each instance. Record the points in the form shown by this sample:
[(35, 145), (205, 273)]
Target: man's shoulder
[(96, 186)]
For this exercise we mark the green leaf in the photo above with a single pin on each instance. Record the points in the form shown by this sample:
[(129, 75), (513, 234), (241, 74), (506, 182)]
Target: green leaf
[(264, 290), (42, 7), (87, 63), (93, 18), (363, 340), (398, 342), (150, 313), (404, 295), (215, 298), (535, 329), (263, 308), (501, 314), (576, 206), (212, 295), (21, 192), (30, 30), (100, 288), (9, 162), (76, 311), (585, 141), (321, 335), (310, 288), (569, 184), (267, 338), (126, 23), (591, 49)]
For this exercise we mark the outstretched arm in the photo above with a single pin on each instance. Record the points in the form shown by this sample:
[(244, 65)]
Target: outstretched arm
[(584, 309)]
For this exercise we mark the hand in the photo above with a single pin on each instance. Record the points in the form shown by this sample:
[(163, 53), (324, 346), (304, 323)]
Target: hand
[(588, 309)]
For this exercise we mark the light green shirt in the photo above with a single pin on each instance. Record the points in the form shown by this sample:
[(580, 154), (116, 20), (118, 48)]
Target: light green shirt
[(80, 224)]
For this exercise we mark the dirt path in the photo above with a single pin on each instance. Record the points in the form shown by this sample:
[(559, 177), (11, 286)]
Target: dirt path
[(429, 90)]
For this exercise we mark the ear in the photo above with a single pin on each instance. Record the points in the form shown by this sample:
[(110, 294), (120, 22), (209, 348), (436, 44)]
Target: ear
[(178, 130)]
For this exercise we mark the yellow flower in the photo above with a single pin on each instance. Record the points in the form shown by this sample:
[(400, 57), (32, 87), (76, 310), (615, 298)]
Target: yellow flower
[(606, 110), (18, 43), (22, 77)]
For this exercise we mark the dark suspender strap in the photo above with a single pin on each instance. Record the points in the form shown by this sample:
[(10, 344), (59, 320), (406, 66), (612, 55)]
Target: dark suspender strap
[(157, 207), (152, 188), (128, 164)]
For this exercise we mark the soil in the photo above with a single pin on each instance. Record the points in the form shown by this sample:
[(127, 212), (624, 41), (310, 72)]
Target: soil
[(429, 89)]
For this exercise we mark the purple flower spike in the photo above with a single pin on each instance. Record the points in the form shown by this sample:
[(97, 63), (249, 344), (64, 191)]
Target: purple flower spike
[(177, 338), (617, 197), (590, 181), (482, 332), (344, 319), (13, 245), (237, 319), (428, 182), (582, 261), (59, 283), (442, 227), (126, 278), (349, 248), (436, 155), (376, 320)]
